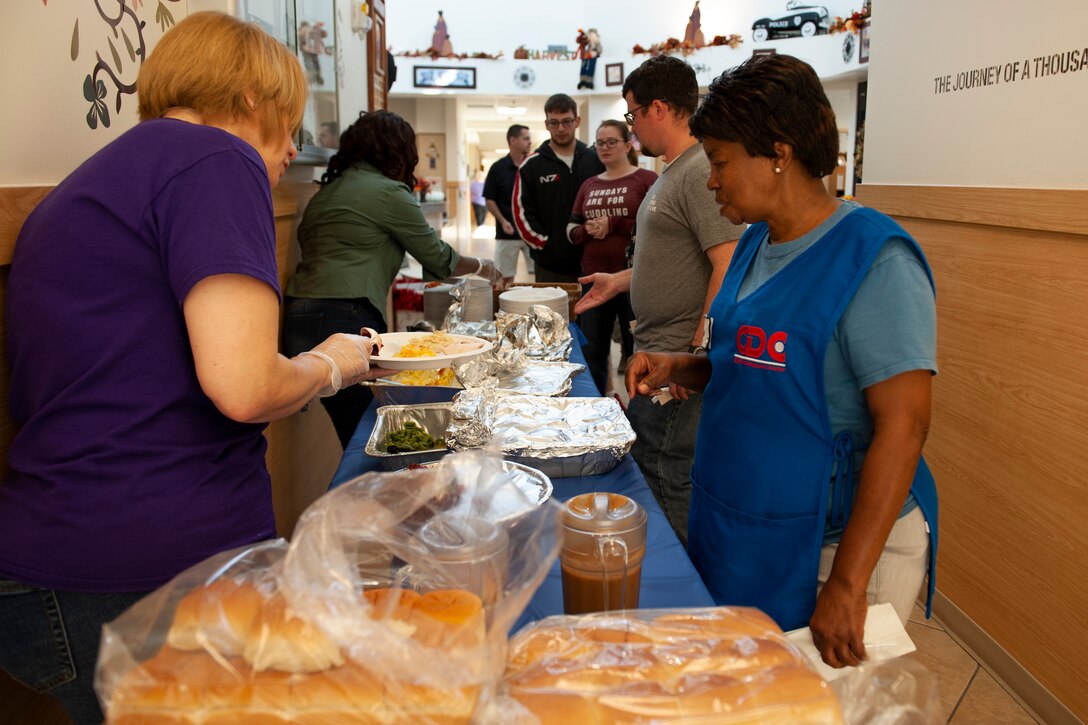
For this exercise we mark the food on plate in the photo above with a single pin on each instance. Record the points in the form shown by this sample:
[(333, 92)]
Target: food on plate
[(198, 685), (726, 665), (411, 437), (441, 376), (437, 343)]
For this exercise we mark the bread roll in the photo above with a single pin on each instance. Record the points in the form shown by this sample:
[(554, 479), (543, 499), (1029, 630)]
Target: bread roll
[(290, 671), (722, 665), (448, 619), (217, 617), (731, 621), (281, 640)]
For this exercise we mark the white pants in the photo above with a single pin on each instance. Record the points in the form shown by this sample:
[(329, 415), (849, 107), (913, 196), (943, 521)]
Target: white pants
[(506, 256), (898, 575)]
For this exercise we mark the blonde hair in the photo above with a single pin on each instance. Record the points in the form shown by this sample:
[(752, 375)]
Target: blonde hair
[(210, 62)]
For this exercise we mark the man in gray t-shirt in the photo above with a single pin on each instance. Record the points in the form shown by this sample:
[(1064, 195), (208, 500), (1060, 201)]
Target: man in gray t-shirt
[(682, 248)]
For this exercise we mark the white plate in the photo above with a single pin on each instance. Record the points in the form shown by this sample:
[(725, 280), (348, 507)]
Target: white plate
[(392, 342)]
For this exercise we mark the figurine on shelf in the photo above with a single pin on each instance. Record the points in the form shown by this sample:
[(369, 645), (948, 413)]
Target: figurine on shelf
[(693, 34), (589, 49), (440, 41)]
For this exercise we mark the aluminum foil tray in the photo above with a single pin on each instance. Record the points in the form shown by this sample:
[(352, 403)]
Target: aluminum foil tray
[(563, 437), (432, 417), (527, 377)]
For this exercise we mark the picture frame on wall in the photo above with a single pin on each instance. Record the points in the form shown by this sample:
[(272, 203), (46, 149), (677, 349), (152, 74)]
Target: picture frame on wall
[(863, 43), (613, 74), (431, 76)]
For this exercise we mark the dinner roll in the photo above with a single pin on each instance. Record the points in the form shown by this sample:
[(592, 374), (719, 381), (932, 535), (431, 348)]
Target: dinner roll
[(216, 617), (281, 640)]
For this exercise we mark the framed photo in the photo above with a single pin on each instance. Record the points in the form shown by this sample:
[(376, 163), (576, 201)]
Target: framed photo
[(863, 44), (430, 76), (613, 74), (764, 51)]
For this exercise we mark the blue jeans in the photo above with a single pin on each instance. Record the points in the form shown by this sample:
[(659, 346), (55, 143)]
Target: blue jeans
[(665, 451), (49, 641), (597, 325), (308, 322)]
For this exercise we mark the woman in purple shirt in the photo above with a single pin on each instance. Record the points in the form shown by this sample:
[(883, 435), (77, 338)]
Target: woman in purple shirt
[(142, 315)]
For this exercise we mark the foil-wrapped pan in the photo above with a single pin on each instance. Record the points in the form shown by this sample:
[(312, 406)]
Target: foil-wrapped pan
[(525, 377), (433, 418), (562, 437), (541, 334), (485, 329)]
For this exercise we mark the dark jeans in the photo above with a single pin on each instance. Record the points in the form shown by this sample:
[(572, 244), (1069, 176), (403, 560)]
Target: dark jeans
[(309, 322), (480, 211), (665, 452), (597, 325), (49, 641)]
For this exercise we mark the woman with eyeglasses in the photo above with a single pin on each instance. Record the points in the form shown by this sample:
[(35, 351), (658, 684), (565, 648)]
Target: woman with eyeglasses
[(603, 221)]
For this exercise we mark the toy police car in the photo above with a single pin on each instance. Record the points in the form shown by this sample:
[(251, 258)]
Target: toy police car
[(803, 20)]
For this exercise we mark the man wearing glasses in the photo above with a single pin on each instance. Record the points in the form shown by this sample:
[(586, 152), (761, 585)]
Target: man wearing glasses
[(682, 248), (544, 192)]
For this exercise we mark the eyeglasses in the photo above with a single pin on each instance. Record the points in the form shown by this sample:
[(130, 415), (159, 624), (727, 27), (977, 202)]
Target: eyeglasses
[(630, 115), (555, 123), (609, 143)]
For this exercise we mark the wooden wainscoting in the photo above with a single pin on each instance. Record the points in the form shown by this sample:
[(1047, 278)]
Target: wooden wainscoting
[(1010, 419)]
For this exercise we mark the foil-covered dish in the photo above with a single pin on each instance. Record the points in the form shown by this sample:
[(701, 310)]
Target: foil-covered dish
[(484, 329), (523, 377), (562, 437), (541, 334), (432, 418)]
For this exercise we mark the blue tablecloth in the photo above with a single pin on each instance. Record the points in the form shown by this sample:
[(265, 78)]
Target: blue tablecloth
[(668, 577)]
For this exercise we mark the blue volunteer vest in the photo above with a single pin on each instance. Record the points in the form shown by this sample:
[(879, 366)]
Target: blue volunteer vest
[(765, 450)]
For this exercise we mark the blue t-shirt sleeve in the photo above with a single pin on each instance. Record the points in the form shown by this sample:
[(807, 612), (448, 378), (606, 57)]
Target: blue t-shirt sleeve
[(890, 326), (215, 217)]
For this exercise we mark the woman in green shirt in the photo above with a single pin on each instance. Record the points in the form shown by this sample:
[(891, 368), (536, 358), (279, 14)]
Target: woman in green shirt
[(354, 234)]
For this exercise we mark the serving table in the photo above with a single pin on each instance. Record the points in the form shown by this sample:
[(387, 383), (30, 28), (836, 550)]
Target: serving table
[(668, 577)]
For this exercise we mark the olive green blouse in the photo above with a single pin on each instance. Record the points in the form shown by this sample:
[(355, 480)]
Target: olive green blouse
[(354, 234)]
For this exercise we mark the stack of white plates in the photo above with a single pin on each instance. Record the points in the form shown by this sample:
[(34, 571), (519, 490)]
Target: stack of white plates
[(479, 301), (519, 299), (436, 300)]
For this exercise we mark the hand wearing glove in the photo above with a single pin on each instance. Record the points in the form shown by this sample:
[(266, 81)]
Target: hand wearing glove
[(348, 357), (491, 273)]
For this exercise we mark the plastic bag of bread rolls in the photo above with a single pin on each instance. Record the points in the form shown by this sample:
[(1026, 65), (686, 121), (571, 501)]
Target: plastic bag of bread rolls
[(724, 665), (391, 604)]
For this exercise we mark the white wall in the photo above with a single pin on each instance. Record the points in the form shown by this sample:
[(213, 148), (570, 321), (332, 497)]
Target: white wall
[(1023, 132), (494, 25), (44, 124), (497, 77)]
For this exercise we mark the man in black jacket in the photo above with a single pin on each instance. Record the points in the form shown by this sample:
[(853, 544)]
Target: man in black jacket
[(545, 188)]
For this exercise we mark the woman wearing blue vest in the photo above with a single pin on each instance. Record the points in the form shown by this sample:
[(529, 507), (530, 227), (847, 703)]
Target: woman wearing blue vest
[(810, 498)]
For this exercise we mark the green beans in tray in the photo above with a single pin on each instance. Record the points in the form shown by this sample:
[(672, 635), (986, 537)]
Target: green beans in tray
[(411, 438)]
